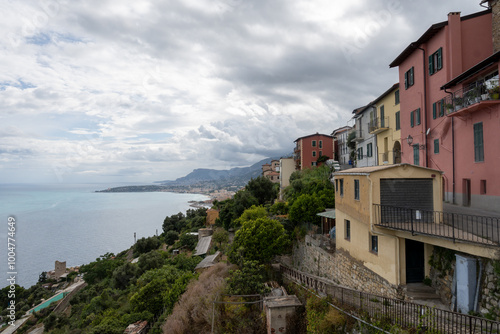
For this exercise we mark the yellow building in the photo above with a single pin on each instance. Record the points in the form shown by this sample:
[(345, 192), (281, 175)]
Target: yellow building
[(390, 218), (385, 124)]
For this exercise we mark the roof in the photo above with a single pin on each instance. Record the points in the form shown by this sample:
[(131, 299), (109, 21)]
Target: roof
[(373, 169), (360, 110), (285, 301), (393, 87), (316, 134), (433, 30), (203, 245), (327, 214), (494, 58), (209, 261), (340, 130)]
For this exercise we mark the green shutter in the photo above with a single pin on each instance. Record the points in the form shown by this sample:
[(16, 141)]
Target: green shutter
[(431, 64), (382, 117), (398, 121), (478, 142), (406, 80), (411, 76), (436, 145), (440, 58), (412, 124), (434, 111), (441, 112), (418, 116)]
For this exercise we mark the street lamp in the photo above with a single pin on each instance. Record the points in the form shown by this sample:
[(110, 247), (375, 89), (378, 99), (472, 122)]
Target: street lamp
[(409, 140)]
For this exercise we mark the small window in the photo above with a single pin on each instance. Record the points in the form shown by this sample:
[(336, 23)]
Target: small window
[(356, 190), (320, 153), (478, 142), (398, 120), (417, 113), (369, 150), (347, 229), (336, 185), (313, 164), (374, 244), (436, 61), (320, 144), (396, 97), (412, 119), (314, 143), (409, 78), (341, 187), (314, 153), (483, 187), (436, 146), (416, 155), (360, 153)]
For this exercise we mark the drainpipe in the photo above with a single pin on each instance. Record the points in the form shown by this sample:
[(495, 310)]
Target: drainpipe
[(425, 104), (398, 269), (452, 148)]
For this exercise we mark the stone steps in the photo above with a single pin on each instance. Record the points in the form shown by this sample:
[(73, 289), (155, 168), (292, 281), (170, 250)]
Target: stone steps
[(420, 293)]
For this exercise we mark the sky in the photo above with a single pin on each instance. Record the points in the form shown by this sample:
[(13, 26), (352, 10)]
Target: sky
[(146, 90)]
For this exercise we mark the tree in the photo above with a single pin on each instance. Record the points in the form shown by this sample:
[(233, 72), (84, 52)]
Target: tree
[(258, 240), (220, 236), (188, 240), (174, 222), (305, 208), (279, 208), (145, 245), (247, 280), (124, 274), (262, 189), (171, 237), (252, 213), (151, 260)]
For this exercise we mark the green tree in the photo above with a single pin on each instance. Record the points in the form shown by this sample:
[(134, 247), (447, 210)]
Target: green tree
[(305, 208), (100, 269), (151, 260), (174, 223), (124, 275), (279, 208), (262, 189), (188, 240), (171, 237), (145, 245), (220, 236), (252, 213), (258, 240), (247, 280)]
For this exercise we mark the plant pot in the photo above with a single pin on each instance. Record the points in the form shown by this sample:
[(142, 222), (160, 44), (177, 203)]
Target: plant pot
[(484, 97), (495, 96)]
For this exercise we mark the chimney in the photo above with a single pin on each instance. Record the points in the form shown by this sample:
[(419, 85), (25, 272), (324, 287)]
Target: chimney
[(455, 43), (495, 24)]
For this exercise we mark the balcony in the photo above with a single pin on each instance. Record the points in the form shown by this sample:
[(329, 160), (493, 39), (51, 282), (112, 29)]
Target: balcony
[(477, 96), (454, 226), (378, 124), (359, 136)]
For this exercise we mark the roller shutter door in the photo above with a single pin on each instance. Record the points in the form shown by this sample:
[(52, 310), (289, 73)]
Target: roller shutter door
[(407, 193)]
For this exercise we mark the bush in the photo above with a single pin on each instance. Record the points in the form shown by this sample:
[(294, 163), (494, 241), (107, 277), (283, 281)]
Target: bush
[(171, 237)]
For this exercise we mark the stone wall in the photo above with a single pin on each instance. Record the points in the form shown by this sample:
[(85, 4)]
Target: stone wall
[(341, 268)]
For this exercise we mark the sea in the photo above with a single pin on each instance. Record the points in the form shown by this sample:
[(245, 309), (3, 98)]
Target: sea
[(73, 223)]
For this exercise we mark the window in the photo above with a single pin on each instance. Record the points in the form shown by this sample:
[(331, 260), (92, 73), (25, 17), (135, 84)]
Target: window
[(409, 78), (347, 229), (356, 189), (382, 117), (320, 144), (436, 61), (314, 153), (341, 187), (396, 97), (360, 153), (313, 163), (416, 160), (438, 109), (417, 113), (398, 120), (478, 142), (412, 119), (314, 143), (482, 187), (336, 185), (374, 243), (320, 153), (369, 150), (436, 146)]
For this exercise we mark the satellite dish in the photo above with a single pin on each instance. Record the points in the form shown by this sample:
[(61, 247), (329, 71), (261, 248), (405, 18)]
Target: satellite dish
[(428, 130)]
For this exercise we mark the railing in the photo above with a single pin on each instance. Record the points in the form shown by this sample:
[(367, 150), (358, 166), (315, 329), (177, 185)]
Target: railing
[(473, 94), (454, 226), (378, 123), (399, 312), (359, 135)]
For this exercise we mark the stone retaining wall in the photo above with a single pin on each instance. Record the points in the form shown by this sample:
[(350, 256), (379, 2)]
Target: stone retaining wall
[(341, 268)]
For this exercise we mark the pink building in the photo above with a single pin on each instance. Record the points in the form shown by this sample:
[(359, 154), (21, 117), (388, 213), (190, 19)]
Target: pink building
[(309, 148), (439, 73)]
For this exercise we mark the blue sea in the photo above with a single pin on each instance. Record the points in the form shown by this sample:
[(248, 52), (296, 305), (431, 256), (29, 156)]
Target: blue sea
[(75, 224)]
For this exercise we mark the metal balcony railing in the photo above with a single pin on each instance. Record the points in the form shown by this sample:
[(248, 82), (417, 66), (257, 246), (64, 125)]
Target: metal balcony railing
[(473, 94), (378, 124), (454, 226)]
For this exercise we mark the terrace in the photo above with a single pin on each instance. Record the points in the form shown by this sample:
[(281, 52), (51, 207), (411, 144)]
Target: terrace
[(476, 96), (459, 227), (378, 124)]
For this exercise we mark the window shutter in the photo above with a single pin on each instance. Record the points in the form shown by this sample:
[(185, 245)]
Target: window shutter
[(406, 80), (412, 124), (440, 59), (441, 112), (431, 64), (411, 76), (382, 114), (418, 116), (434, 115)]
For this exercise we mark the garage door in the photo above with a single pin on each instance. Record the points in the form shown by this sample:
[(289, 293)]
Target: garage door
[(407, 193)]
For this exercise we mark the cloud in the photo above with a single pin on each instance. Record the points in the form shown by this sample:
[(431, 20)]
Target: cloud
[(148, 90)]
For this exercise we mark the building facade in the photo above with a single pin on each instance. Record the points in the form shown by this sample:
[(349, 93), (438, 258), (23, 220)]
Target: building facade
[(366, 142), (432, 135), (309, 149), (342, 151)]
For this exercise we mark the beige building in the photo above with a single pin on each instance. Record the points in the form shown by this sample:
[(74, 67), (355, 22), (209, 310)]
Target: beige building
[(272, 171), (287, 167), (390, 218), (385, 123)]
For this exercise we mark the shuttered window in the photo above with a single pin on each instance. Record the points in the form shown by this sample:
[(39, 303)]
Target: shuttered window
[(398, 121), (478, 142)]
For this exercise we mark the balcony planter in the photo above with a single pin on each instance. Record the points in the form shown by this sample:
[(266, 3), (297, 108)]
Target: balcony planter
[(458, 103), (485, 96), (494, 92)]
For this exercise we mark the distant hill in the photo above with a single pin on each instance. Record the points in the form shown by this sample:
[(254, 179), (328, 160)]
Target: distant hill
[(238, 176)]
